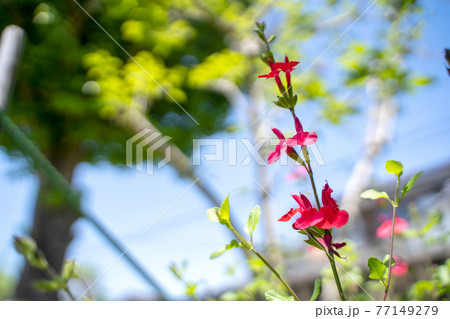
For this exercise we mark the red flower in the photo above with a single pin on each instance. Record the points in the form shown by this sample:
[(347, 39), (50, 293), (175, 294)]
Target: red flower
[(400, 267), (309, 216), (285, 145), (327, 217), (386, 227), (333, 216), (282, 147), (274, 73), (303, 138), (287, 67)]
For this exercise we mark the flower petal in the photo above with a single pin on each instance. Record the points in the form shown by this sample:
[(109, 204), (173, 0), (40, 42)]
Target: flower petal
[(307, 219), (298, 125), (304, 138), (341, 218), (289, 215), (327, 200), (275, 155), (303, 202), (278, 134)]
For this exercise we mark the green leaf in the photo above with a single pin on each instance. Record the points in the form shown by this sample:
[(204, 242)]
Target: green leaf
[(314, 243), (37, 260), (421, 80), (394, 167), (386, 263), (224, 214), (190, 289), (176, 271), (317, 289), (412, 181), (48, 285), (272, 38), (273, 295), (253, 220), (233, 244), (67, 270), (377, 269), (213, 214), (373, 194)]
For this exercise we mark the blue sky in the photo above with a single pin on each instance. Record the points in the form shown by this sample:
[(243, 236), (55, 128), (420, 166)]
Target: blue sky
[(128, 202)]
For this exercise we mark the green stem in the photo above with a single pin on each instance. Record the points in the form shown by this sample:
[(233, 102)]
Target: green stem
[(313, 184), (329, 254), (391, 245), (264, 260), (54, 275)]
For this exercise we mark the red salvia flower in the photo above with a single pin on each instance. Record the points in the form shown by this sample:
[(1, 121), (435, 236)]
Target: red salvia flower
[(400, 267), (333, 216), (287, 67), (309, 216), (327, 217), (285, 145), (385, 229), (282, 147), (303, 138), (275, 67)]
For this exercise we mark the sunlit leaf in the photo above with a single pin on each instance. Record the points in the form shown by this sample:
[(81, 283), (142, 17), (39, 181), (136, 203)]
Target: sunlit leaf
[(233, 244), (273, 295), (213, 214), (317, 289), (377, 269), (394, 167), (412, 181), (253, 220), (224, 214), (373, 194)]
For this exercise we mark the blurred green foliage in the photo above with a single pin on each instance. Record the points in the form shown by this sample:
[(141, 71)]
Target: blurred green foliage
[(76, 84)]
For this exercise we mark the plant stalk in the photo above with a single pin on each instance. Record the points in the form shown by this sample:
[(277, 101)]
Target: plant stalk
[(253, 250), (329, 254), (391, 245)]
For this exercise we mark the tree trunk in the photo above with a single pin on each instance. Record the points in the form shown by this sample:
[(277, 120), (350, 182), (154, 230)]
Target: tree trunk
[(51, 229)]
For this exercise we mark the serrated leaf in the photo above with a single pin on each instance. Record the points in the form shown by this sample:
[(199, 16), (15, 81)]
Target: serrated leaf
[(67, 270), (253, 220), (273, 295), (373, 194), (213, 214), (224, 213), (394, 167), (377, 269), (47, 285), (233, 244), (314, 243), (412, 181), (317, 289)]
